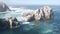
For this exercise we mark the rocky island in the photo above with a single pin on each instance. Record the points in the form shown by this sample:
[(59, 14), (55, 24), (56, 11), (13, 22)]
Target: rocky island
[(42, 13)]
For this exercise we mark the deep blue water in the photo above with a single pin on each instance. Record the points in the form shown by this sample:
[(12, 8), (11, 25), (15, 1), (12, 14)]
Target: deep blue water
[(51, 26)]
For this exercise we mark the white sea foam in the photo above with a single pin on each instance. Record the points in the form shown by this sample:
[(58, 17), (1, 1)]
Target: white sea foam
[(16, 11), (20, 9), (26, 23)]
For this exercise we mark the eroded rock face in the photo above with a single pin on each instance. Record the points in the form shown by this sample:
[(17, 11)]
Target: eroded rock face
[(3, 7), (43, 13)]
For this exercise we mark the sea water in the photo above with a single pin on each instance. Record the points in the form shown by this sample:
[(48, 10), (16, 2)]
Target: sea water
[(51, 26)]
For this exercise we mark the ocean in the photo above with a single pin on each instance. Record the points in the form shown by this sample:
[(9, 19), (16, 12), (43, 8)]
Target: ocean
[(51, 26)]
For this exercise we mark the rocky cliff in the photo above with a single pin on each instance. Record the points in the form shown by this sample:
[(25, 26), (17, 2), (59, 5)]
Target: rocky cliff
[(3, 7)]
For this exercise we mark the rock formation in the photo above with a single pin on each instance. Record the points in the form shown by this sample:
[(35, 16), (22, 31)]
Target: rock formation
[(13, 22), (3, 7), (9, 23), (43, 13)]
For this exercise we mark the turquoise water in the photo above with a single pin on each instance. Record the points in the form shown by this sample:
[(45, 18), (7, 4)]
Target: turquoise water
[(51, 26)]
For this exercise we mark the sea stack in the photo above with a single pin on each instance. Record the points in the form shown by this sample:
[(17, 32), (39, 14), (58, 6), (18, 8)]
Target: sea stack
[(3, 7)]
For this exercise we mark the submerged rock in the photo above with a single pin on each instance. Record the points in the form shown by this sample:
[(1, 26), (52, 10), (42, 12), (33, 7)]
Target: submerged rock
[(3, 7)]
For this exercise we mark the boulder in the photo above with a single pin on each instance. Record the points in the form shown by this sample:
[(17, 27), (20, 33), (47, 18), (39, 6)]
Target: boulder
[(3, 7)]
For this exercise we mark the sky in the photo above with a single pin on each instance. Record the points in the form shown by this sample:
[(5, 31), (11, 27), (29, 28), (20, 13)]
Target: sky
[(32, 2)]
